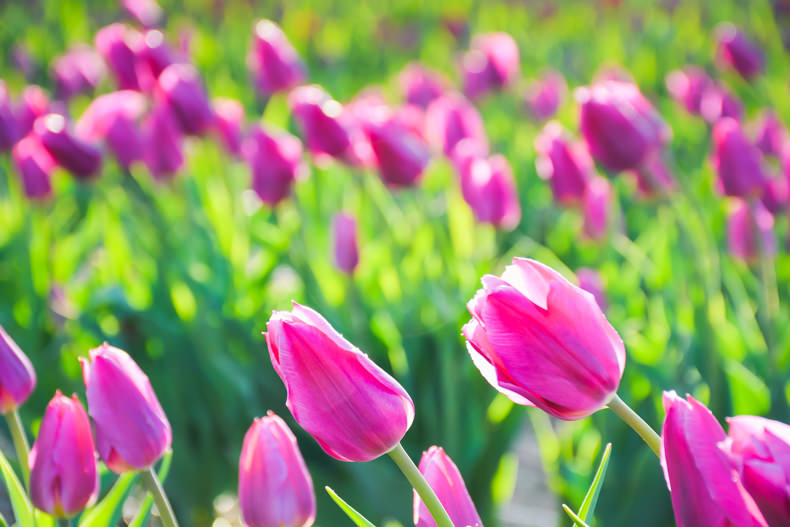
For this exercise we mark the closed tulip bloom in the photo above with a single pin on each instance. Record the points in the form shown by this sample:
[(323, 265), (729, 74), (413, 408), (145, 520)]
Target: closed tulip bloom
[(419, 85), (491, 64), (325, 129), (79, 157), (465, 153), (275, 488), (33, 103), (735, 50), (750, 231), (152, 55), (490, 190), (132, 430), (596, 206), (228, 122), (344, 242), (718, 102), (63, 476), (77, 71), (654, 178), (738, 163), (451, 118), (566, 165), (113, 118), (163, 142), (9, 130), (180, 87), (273, 60), (17, 377), (275, 161), (771, 135), (687, 87), (147, 13), (590, 281), (543, 341), (544, 95), (776, 194), (353, 408), (706, 491), (116, 44), (445, 479), (34, 166), (401, 155)]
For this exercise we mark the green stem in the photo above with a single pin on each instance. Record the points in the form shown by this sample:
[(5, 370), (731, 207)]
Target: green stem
[(20, 442), (64, 522), (412, 473), (151, 481), (639, 425)]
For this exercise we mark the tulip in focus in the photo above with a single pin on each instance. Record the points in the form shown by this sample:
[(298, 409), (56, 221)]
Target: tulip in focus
[(566, 165), (590, 281), (116, 44), (344, 242), (353, 408), (114, 118), (163, 143), (132, 430), (181, 88), (34, 166), (77, 71), (273, 60), (228, 122), (491, 64), (401, 155), (750, 231), (687, 86), (542, 341), (63, 475), (147, 13), (490, 190), (275, 161), (17, 377), (445, 479), (419, 85), (451, 118), (325, 127), (71, 152), (735, 50), (738, 163), (705, 490), (33, 104), (596, 203), (9, 131), (544, 95)]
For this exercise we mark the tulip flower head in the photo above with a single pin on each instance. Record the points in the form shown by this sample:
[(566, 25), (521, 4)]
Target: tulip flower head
[(153, 54), (344, 242), (718, 102), (17, 377), (419, 85), (737, 162), (35, 166), (491, 64), (590, 281), (113, 118), (687, 86), (544, 95), (228, 122), (401, 155), (654, 178), (566, 165), (71, 152), (33, 103), (771, 137), (147, 13), (77, 71), (490, 190), (325, 126), (750, 231), (735, 50), (181, 88), (275, 161), (451, 118), (163, 153), (596, 205), (273, 60), (9, 131), (776, 194), (445, 479), (116, 44)]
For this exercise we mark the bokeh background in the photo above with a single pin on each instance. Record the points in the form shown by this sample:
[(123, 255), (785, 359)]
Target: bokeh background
[(185, 274)]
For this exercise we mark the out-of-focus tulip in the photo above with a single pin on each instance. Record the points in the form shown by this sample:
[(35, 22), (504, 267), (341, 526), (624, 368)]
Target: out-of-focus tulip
[(596, 206), (345, 248), (401, 156), (33, 104), (353, 408), (705, 489), (325, 129), (34, 165), (451, 118), (153, 54), (71, 152), (63, 476), (490, 190), (738, 163), (275, 160), (114, 118), (419, 85), (163, 153), (717, 103), (544, 95), (687, 87), (735, 50), (9, 130), (445, 479), (653, 177), (776, 194), (744, 224), (23, 60), (543, 341), (275, 487), (132, 430), (228, 122), (759, 449), (771, 137), (620, 126), (491, 64), (568, 166), (273, 60), (147, 13), (465, 153), (590, 281), (181, 87), (17, 376), (116, 44), (77, 71)]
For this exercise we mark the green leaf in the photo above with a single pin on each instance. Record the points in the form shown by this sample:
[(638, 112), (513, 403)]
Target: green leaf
[(43, 519), (108, 511), (591, 499), (141, 517), (23, 510), (3, 523), (576, 520), (356, 517)]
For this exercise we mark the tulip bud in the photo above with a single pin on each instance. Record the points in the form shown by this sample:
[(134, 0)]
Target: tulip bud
[(228, 120), (771, 136), (147, 13), (738, 163), (132, 430), (717, 103), (273, 60), (17, 376), (33, 104), (759, 449), (344, 242), (325, 130), (745, 223), (654, 178), (776, 194), (34, 165), (491, 64), (116, 44), (544, 95), (465, 153), (489, 189), (181, 88), (77, 71), (445, 479), (275, 487), (275, 160), (72, 153), (113, 118), (451, 118), (419, 85), (63, 476), (705, 490), (152, 54), (687, 87), (401, 156), (9, 130), (595, 206), (736, 51), (566, 165), (162, 140), (353, 408), (544, 342), (590, 281)]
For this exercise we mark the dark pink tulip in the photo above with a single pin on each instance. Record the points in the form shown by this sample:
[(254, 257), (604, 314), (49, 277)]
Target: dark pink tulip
[(687, 87), (180, 86), (491, 64), (568, 166), (705, 490), (590, 281), (596, 206), (717, 103), (228, 122), (771, 137), (544, 342), (9, 129), (345, 248), (353, 408), (654, 178), (152, 55), (77, 71), (451, 118), (273, 60), (735, 50), (33, 104), (132, 430), (114, 118), (275, 160), (34, 166), (401, 156), (745, 222), (325, 128), (759, 449), (17, 376), (620, 126), (163, 143), (71, 152), (63, 476), (738, 163), (275, 487), (465, 153), (544, 95), (776, 194), (419, 85), (116, 44), (147, 13), (490, 190), (445, 479)]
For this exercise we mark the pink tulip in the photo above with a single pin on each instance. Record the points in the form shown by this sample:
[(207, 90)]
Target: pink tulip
[(465, 153), (771, 137), (273, 60), (17, 376), (114, 118), (776, 194), (590, 281), (275, 161), (491, 64), (717, 103), (654, 178), (70, 151), (738, 163), (451, 118), (445, 479), (596, 205), (228, 122), (63, 476), (34, 165), (132, 430), (33, 104), (759, 449), (9, 129), (326, 128), (687, 87), (490, 190), (163, 143), (152, 55), (568, 166), (344, 242), (401, 156), (419, 85), (275, 488), (116, 44), (735, 50), (544, 95), (353, 408), (744, 223), (180, 87), (544, 342), (147, 13), (77, 71), (705, 490)]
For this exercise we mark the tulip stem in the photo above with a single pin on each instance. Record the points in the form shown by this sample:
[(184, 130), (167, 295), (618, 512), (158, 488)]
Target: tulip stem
[(639, 425), (20, 442), (64, 522), (162, 503), (412, 473)]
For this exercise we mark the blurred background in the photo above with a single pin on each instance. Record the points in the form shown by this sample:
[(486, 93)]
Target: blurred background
[(184, 273)]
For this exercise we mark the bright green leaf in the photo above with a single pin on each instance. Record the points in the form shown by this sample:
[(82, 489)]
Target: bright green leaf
[(23, 510), (591, 499), (356, 517), (572, 515), (107, 512)]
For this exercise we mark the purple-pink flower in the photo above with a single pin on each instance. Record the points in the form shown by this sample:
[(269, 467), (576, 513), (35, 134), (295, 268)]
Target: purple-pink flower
[(345, 247), (275, 161), (273, 60), (33, 103), (17, 376), (488, 187), (566, 165), (116, 44), (446, 481), (325, 126), (596, 205), (735, 50), (163, 142), (180, 87), (77, 71), (451, 118), (9, 130), (71, 152), (750, 231), (590, 281), (228, 123), (738, 163), (147, 13), (34, 166), (419, 85), (152, 55), (400, 154), (687, 86), (771, 136), (491, 63), (544, 95), (114, 119)]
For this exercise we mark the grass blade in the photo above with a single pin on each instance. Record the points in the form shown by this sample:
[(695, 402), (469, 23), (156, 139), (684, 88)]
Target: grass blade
[(23, 510), (356, 517), (578, 522), (591, 499)]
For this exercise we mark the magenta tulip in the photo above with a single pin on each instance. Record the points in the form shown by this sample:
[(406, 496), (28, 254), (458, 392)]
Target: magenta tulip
[(77, 156), (17, 376), (745, 223), (77, 71), (451, 118), (132, 430), (771, 137), (544, 342), (776, 194), (735, 50), (180, 87), (718, 102), (445, 479), (465, 153), (9, 129), (275, 161), (687, 86), (596, 206), (33, 103), (63, 475), (113, 118), (116, 44), (705, 490), (34, 166), (152, 55), (419, 85), (275, 488), (544, 95), (163, 143), (566, 165), (490, 190), (353, 408), (590, 281), (273, 60), (344, 242), (325, 126), (491, 64), (147, 13), (401, 155), (228, 122), (654, 178), (738, 163)]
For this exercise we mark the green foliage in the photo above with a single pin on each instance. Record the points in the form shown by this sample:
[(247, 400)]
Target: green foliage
[(351, 512)]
